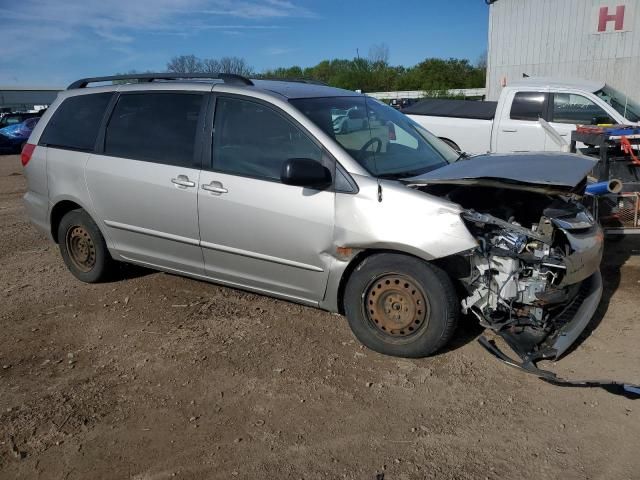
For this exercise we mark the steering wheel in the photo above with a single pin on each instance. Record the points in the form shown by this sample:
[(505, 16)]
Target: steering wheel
[(370, 142)]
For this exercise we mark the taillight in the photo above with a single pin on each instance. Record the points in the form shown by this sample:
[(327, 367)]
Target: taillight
[(27, 151)]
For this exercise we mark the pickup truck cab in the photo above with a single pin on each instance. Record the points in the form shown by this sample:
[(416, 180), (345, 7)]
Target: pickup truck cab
[(512, 124)]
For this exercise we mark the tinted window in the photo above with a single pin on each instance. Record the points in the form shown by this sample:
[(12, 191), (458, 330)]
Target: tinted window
[(576, 109), (528, 106), (76, 122), (384, 141), (254, 140), (158, 127)]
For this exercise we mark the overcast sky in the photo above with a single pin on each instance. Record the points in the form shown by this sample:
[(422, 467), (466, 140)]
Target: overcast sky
[(52, 42)]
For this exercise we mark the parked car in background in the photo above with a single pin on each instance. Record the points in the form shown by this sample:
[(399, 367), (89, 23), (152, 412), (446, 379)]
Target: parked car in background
[(14, 137), (246, 183), (512, 123), (352, 120), (18, 117), (400, 103)]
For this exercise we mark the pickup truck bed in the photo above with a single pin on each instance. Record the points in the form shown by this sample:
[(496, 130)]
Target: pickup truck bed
[(454, 108)]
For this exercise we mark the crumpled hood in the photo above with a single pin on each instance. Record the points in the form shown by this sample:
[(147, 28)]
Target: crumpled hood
[(556, 170)]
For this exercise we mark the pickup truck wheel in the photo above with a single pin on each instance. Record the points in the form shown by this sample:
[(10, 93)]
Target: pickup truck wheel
[(83, 248), (400, 305)]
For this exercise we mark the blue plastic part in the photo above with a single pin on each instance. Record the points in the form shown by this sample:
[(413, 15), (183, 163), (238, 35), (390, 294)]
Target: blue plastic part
[(600, 188)]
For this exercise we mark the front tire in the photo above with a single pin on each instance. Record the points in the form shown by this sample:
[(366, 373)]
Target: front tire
[(83, 248), (400, 305)]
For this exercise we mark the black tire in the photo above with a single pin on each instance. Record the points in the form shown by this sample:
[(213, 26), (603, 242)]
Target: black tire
[(419, 333), (83, 248), (452, 144)]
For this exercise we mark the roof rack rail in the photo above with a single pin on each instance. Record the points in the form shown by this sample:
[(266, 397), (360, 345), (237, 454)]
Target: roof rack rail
[(230, 78), (296, 80)]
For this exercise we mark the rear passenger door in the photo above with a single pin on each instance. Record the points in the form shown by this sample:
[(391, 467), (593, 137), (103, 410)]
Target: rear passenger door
[(144, 179), (519, 129), (256, 231)]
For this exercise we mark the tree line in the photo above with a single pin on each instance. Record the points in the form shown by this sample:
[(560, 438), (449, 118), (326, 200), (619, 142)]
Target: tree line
[(370, 74)]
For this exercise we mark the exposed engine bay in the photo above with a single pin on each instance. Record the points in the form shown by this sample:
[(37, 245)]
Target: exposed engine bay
[(528, 276)]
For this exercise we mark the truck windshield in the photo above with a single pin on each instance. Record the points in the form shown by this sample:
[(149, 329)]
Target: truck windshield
[(625, 106), (384, 141)]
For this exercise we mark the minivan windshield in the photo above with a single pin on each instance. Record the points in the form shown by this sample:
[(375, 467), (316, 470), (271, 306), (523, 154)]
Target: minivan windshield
[(625, 106), (384, 141)]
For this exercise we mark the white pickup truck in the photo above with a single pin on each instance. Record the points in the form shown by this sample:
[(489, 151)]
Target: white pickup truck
[(512, 124)]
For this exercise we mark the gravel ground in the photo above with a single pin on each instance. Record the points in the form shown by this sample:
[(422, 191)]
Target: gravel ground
[(155, 376)]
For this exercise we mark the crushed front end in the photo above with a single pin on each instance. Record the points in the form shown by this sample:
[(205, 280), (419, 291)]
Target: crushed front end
[(534, 276), (537, 285)]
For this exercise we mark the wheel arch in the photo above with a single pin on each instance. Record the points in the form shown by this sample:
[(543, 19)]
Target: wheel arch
[(361, 257), (59, 210)]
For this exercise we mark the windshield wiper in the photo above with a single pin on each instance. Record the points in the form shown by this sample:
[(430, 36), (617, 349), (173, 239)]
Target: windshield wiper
[(462, 156)]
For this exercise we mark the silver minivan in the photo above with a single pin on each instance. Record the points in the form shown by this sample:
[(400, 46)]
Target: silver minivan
[(320, 196)]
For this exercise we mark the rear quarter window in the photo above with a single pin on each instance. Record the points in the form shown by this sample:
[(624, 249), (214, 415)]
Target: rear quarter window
[(76, 122), (528, 106)]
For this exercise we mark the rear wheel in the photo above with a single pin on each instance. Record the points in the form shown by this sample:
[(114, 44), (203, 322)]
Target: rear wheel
[(83, 248), (400, 305)]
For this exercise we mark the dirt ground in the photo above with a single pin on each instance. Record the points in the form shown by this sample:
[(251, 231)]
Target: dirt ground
[(154, 376)]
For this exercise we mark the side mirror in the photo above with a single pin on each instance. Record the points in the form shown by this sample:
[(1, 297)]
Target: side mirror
[(305, 172)]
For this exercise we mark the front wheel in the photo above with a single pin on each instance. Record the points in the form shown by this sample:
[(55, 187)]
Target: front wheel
[(400, 305), (83, 248)]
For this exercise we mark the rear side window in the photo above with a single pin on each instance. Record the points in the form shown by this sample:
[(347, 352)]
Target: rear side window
[(528, 106), (156, 127), (76, 122)]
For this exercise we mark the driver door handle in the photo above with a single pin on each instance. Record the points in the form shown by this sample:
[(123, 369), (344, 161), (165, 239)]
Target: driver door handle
[(183, 181), (215, 187)]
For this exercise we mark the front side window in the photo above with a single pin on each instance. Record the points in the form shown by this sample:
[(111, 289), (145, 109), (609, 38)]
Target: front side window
[(576, 109), (76, 122), (384, 141), (528, 106), (253, 140), (157, 127)]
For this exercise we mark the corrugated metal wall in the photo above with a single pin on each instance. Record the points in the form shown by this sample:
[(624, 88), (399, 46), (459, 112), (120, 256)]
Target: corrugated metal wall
[(558, 38)]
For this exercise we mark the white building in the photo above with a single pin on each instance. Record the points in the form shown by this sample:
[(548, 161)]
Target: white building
[(587, 39)]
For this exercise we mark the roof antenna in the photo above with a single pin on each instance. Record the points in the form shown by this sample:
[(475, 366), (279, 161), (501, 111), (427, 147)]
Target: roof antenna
[(524, 75)]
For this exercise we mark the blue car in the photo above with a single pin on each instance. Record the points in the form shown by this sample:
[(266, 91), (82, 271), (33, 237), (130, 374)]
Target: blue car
[(13, 138)]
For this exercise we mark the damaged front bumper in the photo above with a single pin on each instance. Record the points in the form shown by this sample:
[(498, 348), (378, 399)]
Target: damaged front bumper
[(571, 323)]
